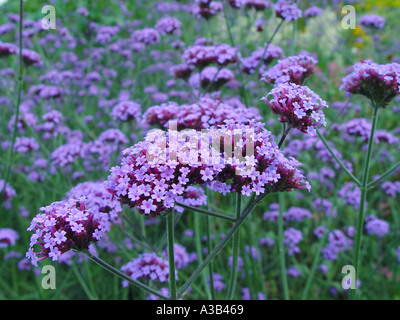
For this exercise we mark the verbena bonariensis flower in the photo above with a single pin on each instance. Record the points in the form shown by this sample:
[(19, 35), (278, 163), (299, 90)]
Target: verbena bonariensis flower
[(201, 56), (292, 237), (30, 57), (156, 171), (169, 25), (181, 256), (207, 112), (25, 145), (98, 199), (250, 64), (378, 82), (181, 71), (211, 78), (337, 242), (8, 194), (8, 237), (376, 226), (191, 196), (236, 4), (147, 36), (7, 49), (126, 110), (372, 21), (294, 69), (63, 226), (258, 5), (298, 106), (147, 266), (313, 11), (206, 9), (287, 10)]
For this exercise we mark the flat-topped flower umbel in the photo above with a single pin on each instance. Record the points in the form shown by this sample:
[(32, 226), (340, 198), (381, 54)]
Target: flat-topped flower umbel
[(378, 82), (234, 157), (298, 106), (63, 226)]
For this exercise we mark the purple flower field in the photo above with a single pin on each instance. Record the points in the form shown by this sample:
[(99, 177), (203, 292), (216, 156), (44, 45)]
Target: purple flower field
[(199, 150)]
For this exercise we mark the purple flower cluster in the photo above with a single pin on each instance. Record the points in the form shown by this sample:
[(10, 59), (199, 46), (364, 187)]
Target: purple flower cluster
[(192, 196), (25, 145), (7, 49), (293, 214), (157, 170), (8, 237), (211, 78), (147, 266), (169, 25), (147, 36), (372, 21), (361, 127), (258, 5), (206, 9), (181, 256), (126, 111), (376, 226), (298, 106), (63, 226), (292, 237), (392, 189), (249, 64), (98, 199), (378, 82), (200, 56), (219, 284), (293, 272), (313, 11), (294, 69), (351, 194), (206, 113), (9, 193), (337, 242), (287, 10)]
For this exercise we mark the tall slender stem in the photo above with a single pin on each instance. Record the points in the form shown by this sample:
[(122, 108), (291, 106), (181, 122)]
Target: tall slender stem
[(19, 91), (171, 256), (122, 275), (235, 252), (282, 261), (210, 266), (363, 199), (245, 212), (199, 247), (339, 162), (206, 212)]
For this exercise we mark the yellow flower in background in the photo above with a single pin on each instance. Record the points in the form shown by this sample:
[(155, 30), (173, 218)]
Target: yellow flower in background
[(358, 32), (383, 4)]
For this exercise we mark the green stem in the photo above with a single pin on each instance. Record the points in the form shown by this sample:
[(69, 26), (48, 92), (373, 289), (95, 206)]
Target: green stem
[(221, 244), (199, 252), (235, 252), (171, 256), (282, 262), (316, 258), (363, 199), (122, 275), (210, 266), (384, 175), (355, 180), (210, 213), (19, 91)]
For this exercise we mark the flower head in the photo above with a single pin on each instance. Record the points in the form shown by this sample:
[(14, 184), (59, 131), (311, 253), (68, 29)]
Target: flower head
[(298, 106), (378, 82), (63, 226)]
